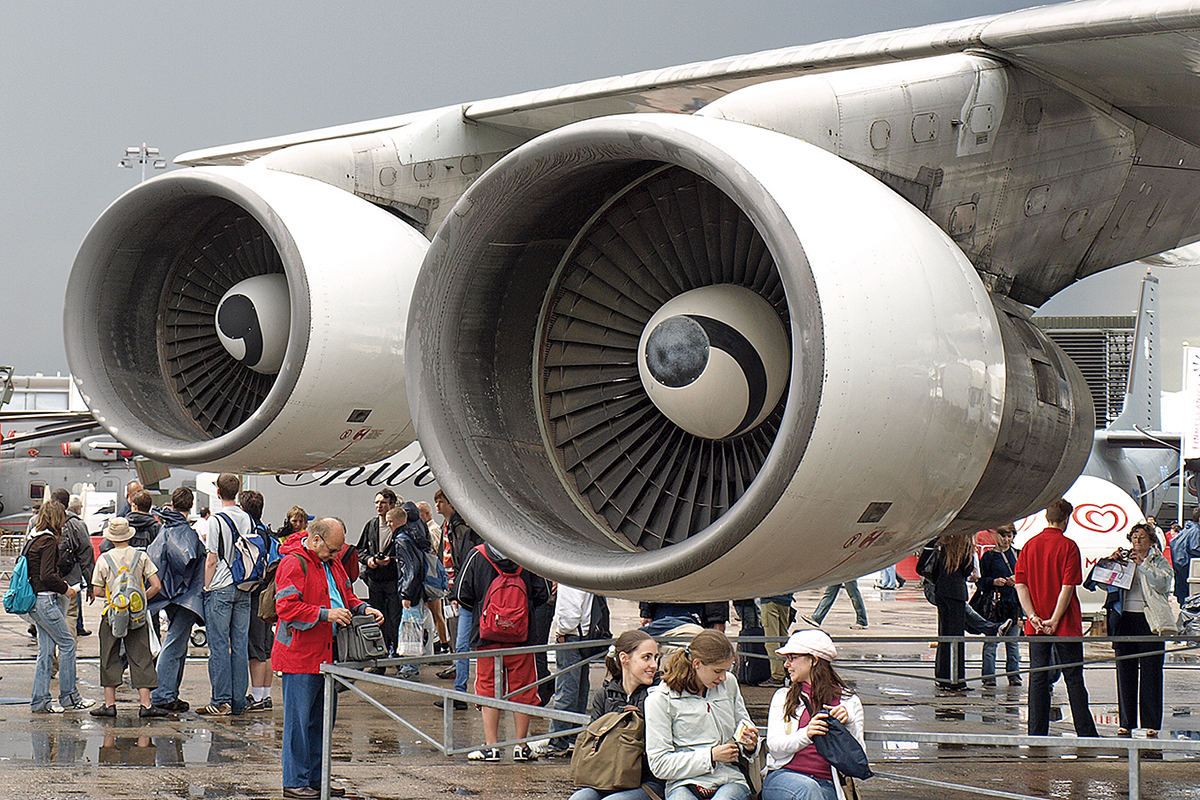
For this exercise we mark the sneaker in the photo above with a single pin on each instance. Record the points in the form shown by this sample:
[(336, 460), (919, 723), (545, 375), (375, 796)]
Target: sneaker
[(302, 792), (459, 705), (988, 681), (50, 709), (490, 754), (409, 672), (857, 627), (83, 632), (447, 673), (1015, 680), (79, 705), (216, 710), (104, 711), (521, 752), (152, 711), (541, 747), (176, 706), (259, 705)]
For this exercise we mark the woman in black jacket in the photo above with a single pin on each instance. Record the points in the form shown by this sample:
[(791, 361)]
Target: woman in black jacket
[(948, 561), (49, 614), (632, 663)]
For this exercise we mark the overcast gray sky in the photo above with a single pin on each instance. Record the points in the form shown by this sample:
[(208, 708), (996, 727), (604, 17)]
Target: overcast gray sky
[(81, 81)]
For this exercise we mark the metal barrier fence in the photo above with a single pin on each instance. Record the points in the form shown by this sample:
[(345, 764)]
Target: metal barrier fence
[(352, 676)]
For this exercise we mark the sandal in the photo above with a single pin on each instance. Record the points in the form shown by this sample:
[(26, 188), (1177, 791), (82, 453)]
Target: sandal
[(1123, 732)]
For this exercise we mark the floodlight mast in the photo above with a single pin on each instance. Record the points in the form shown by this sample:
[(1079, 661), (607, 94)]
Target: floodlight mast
[(142, 155)]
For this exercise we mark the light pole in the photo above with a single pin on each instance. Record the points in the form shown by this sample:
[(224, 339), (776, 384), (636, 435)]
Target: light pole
[(142, 155)]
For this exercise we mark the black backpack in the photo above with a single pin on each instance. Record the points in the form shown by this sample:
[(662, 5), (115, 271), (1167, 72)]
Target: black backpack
[(598, 630)]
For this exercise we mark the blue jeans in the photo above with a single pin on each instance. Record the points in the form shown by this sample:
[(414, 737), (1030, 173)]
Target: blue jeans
[(227, 619), (462, 644), (303, 712), (831, 593), (588, 793), (1012, 650), (784, 784), (728, 791), (571, 690), (888, 579), (49, 614), (173, 654)]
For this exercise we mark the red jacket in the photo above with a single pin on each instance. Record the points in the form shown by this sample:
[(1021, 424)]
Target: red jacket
[(304, 635)]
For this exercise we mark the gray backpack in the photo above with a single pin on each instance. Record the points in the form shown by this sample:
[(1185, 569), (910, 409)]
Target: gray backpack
[(125, 596)]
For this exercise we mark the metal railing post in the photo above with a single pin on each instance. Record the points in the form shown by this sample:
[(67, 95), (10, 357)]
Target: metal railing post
[(327, 736)]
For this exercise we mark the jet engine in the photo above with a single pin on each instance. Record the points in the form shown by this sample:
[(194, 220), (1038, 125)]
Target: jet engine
[(686, 358), (245, 318)]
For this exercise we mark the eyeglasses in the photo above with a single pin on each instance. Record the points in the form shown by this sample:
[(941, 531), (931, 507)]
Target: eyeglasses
[(790, 657)]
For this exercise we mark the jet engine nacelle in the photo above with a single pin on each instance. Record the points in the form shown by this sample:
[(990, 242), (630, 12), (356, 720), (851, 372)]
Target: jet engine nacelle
[(246, 319), (684, 358)]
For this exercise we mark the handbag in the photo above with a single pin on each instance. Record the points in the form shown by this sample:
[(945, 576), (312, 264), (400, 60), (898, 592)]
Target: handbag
[(986, 604), (361, 640), (610, 752), (752, 766), (839, 747)]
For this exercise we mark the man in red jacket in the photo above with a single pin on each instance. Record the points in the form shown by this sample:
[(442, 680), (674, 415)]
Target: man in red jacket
[(312, 596)]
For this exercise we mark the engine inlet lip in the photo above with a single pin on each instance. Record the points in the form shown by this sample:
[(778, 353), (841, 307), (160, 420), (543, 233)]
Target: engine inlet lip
[(138, 217), (709, 148)]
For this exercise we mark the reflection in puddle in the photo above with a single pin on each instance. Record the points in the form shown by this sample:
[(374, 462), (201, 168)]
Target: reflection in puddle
[(111, 747)]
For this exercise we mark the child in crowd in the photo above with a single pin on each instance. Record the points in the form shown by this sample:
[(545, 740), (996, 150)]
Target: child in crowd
[(130, 621)]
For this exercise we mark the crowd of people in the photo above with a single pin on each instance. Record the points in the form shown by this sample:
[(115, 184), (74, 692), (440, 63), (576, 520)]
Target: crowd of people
[(159, 568)]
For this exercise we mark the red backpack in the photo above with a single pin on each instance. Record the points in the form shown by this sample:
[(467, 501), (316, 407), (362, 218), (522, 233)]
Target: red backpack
[(505, 614)]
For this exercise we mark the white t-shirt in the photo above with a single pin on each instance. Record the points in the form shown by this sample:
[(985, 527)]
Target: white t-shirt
[(220, 540)]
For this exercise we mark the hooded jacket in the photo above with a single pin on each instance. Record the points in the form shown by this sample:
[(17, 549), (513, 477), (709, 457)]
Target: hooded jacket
[(179, 555), (304, 635), (473, 582), (462, 540), (411, 545)]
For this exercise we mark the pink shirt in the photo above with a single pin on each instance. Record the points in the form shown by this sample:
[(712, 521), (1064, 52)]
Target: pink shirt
[(807, 760)]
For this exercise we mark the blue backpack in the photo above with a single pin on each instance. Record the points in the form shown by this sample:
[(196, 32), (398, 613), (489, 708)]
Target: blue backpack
[(20, 597), (249, 562)]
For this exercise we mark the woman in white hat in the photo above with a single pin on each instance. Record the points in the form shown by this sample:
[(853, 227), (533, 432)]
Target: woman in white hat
[(796, 771)]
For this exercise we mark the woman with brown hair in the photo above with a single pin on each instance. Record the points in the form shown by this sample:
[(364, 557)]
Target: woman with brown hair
[(49, 614), (796, 770), (949, 562), (692, 721), (632, 663)]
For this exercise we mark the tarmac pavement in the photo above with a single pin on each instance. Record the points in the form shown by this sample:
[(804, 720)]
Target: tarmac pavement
[(77, 756)]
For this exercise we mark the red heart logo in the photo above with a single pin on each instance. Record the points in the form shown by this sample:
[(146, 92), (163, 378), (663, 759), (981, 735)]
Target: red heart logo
[(1101, 519)]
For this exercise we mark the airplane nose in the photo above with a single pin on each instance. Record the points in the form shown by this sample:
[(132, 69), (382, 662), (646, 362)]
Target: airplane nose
[(252, 322), (715, 360)]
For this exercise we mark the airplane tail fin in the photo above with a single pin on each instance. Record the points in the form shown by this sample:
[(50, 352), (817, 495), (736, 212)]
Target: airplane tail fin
[(1142, 408)]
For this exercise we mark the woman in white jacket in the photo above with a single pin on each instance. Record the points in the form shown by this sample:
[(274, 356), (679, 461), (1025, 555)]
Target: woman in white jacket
[(796, 771), (692, 721)]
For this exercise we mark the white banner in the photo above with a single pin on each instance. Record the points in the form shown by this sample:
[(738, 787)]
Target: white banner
[(1191, 391)]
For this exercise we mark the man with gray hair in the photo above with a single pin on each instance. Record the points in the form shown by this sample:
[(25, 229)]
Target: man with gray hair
[(75, 549), (312, 597)]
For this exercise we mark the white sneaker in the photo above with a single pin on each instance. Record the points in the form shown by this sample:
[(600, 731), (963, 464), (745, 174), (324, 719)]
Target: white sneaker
[(540, 747), (490, 754), (522, 753), (80, 705)]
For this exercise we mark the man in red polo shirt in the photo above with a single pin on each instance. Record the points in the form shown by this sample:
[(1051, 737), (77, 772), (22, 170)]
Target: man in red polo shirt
[(1048, 570)]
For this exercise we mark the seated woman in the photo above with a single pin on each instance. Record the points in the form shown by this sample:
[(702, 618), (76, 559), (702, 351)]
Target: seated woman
[(796, 771), (692, 719), (632, 663)]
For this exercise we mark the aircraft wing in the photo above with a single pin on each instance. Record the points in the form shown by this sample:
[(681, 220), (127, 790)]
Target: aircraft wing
[(1139, 57), (761, 320)]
